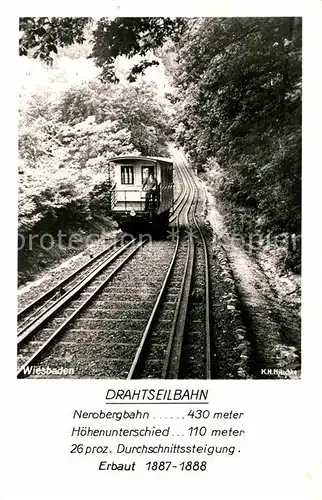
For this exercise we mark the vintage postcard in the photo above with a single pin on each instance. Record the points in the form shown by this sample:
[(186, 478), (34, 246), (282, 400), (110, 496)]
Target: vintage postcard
[(162, 172)]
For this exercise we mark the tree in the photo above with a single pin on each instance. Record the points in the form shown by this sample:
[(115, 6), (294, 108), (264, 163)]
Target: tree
[(238, 100), (125, 36), (46, 34), (67, 138)]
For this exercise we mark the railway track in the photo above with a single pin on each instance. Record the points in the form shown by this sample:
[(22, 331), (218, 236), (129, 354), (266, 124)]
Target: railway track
[(27, 315), (45, 327), (196, 349), (176, 342), (126, 317)]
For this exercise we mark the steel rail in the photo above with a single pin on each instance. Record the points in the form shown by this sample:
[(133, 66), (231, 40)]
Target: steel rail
[(207, 292), (50, 293), (139, 355), (138, 359), (175, 209), (31, 328), (61, 328), (171, 366), (180, 203)]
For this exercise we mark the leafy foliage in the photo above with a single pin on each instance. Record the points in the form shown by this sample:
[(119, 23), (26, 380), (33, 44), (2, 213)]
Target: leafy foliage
[(238, 100), (65, 142), (45, 35), (127, 36), (130, 36)]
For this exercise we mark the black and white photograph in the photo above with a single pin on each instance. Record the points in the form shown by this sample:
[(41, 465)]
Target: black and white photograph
[(159, 198)]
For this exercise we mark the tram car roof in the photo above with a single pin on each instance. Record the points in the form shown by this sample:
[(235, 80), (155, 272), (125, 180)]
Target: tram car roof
[(119, 159)]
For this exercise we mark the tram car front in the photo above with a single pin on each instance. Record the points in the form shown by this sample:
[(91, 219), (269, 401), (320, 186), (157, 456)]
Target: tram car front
[(142, 194)]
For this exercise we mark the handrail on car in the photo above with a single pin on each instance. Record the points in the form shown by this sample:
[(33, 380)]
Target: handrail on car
[(165, 188)]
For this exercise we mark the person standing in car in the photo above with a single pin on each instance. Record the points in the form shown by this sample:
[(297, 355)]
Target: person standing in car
[(150, 185)]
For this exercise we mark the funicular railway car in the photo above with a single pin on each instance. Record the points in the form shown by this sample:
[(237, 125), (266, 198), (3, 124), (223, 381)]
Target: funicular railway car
[(143, 192)]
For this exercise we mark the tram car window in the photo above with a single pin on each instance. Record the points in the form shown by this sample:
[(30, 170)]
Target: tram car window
[(127, 176), (142, 192)]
